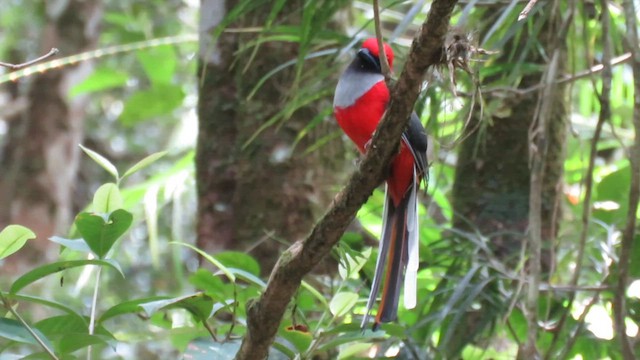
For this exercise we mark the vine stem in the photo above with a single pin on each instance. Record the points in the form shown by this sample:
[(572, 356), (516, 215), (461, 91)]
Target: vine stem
[(7, 305), (629, 231), (51, 53), (94, 305)]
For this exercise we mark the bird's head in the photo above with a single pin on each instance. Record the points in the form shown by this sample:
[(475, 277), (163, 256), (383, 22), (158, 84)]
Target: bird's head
[(370, 53)]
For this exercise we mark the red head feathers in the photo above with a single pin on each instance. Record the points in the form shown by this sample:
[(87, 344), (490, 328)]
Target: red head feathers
[(371, 44)]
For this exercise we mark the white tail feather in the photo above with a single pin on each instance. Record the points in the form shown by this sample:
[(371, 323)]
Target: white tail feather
[(410, 290), (413, 262)]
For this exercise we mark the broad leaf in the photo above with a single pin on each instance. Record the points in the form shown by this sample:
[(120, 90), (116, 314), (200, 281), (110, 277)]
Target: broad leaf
[(52, 268), (206, 349), (211, 284), (198, 304), (299, 338), (128, 307), (72, 341), (238, 260), (13, 330), (71, 334), (157, 101), (210, 259), (73, 244), (46, 302), (342, 303), (107, 199), (13, 238), (99, 234), (351, 263), (352, 350), (101, 79), (316, 294), (159, 63)]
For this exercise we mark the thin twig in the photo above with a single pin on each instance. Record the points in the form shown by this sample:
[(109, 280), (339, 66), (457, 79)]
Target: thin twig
[(7, 305), (51, 52), (211, 332), (618, 60), (525, 12), (619, 300), (384, 63)]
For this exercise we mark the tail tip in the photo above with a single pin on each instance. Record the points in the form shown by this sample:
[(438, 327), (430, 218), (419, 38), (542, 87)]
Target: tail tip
[(376, 326)]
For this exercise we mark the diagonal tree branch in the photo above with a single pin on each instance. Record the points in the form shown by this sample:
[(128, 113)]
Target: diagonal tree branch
[(265, 314)]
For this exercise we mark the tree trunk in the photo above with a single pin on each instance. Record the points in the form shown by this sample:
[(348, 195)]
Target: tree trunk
[(492, 182), (41, 154), (254, 193)]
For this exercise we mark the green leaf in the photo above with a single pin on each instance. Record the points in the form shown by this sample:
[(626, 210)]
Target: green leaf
[(145, 104), (210, 259), (351, 263), (206, 349), (70, 333), (346, 333), (107, 199), (13, 238), (76, 341), (248, 277), (52, 268), (238, 260), (199, 305), (212, 285), (99, 234), (55, 326), (46, 302), (159, 63), (128, 307), (73, 244), (317, 294), (102, 161), (144, 163), (342, 303), (352, 350), (13, 330), (300, 339), (612, 200), (102, 79)]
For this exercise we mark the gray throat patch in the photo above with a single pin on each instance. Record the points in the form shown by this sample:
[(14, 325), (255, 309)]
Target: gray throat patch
[(352, 85)]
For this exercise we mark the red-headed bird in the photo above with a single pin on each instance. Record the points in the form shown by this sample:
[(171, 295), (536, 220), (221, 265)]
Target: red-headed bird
[(360, 100)]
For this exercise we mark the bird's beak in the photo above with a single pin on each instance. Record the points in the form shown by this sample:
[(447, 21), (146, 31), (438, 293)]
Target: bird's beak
[(366, 56)]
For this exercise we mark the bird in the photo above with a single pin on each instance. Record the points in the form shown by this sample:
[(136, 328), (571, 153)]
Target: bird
[(360, 100)]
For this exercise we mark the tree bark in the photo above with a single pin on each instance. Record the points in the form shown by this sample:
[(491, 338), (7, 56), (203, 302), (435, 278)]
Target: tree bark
[(492, 181), (492, 189), (41, 155)]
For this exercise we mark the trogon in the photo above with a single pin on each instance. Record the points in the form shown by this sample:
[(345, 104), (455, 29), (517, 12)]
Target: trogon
[(360, 101)]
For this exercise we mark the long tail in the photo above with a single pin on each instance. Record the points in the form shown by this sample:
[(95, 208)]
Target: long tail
[(397, 257)]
